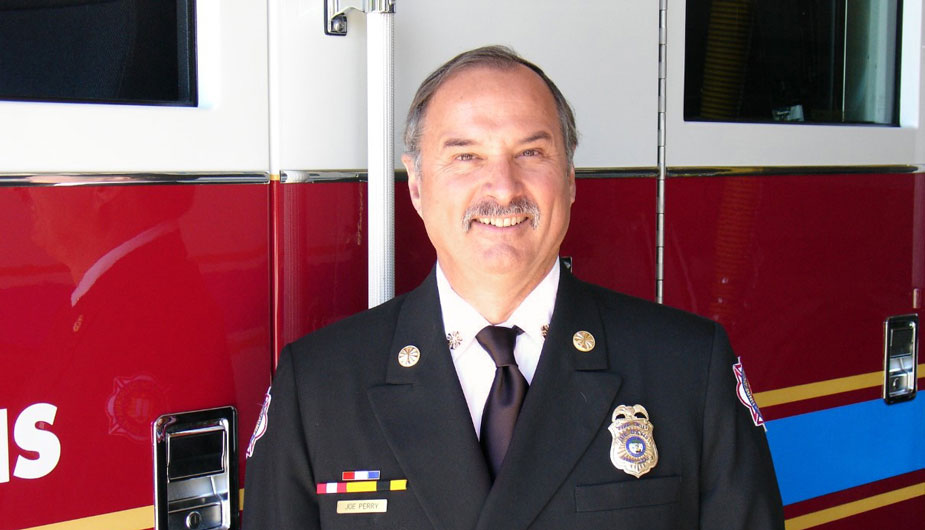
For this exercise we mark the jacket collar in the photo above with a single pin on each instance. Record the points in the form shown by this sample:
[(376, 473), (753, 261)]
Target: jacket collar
[(423, 413), (572, 392)]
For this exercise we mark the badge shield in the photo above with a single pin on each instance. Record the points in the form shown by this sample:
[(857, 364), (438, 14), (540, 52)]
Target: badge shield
[(633, 449)]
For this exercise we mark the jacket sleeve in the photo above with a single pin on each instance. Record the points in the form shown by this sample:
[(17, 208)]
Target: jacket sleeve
[(738, 485), (279, 483)]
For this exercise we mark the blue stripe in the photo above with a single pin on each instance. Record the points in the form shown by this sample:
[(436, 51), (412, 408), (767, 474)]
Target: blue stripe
[(834, 449)]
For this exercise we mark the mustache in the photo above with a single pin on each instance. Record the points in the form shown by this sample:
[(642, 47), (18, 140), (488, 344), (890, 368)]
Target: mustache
[(491, 208)]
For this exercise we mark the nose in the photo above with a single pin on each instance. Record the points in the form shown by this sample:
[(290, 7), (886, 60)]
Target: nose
[(502, 180)]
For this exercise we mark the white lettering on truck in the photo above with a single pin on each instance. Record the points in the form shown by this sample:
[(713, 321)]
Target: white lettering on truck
[(29, 437), (4, 449)]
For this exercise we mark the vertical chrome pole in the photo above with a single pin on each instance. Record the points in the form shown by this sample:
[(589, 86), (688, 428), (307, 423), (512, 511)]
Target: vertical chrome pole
[(380, 145)]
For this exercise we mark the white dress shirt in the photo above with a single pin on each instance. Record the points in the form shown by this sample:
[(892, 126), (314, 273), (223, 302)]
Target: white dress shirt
[(474, 366)]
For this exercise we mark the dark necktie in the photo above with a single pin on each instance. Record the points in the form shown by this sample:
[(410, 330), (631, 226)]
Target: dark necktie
[(507, 394)]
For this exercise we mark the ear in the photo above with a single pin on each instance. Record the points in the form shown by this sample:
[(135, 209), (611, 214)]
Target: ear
[(414, 182), (571, 185)]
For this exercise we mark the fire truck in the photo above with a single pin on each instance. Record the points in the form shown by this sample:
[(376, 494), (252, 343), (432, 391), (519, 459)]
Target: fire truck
[(188, 185)]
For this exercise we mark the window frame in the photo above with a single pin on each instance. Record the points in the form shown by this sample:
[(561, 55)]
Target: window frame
[(727, 144), (226, 131)]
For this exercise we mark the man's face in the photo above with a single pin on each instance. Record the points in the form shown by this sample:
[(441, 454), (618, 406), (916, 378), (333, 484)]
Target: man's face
[(495, 188)]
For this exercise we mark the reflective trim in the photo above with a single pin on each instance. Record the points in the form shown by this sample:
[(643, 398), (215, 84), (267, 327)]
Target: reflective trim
[(741, 171), (867, 504), (790, 394), (299, 176), (131, 519), (616, 173), (108, 179), (311, 176)]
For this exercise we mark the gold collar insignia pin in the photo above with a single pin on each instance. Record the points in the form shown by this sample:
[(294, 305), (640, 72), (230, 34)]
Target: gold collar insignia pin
[(583, 341), (409, 356)]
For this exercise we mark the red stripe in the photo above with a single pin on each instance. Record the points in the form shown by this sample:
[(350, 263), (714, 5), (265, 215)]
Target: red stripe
[(322, 488), (852, 494), (348, 475), (902, 515), (341, 487)]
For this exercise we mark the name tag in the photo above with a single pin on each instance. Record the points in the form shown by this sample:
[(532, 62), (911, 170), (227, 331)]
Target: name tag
[(363, 506)]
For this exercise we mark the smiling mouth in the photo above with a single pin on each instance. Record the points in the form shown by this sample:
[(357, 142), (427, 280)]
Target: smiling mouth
[(491, 213), (501, 222)]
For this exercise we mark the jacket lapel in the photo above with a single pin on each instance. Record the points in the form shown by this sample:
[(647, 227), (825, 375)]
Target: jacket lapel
[(565, 408), (423, 413)]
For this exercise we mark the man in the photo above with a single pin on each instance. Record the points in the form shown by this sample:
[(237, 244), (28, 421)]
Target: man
[(407, 416)]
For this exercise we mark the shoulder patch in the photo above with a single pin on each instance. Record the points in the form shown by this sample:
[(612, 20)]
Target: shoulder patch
[(744, 393), (262, 422)]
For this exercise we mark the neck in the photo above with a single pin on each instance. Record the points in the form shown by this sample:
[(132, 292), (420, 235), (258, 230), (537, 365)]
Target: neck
[(494, 296)]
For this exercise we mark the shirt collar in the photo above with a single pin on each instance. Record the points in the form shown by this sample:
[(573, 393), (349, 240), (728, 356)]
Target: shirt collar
[(462, 322)]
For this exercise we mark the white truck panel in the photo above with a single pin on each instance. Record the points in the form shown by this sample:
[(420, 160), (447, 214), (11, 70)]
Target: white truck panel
[(604, 57), (226, 132)]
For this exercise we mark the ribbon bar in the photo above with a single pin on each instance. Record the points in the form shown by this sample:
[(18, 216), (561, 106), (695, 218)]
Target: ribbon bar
[(360, 475), (363, 486)]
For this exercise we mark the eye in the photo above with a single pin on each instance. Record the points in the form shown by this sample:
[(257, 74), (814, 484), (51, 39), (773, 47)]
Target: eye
[(530, 152), (464, 157)]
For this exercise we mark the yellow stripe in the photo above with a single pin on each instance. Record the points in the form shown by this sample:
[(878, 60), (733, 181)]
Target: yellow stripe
[(823, 388), (134, 519), (142, 518), (361, 486), (853, 508)]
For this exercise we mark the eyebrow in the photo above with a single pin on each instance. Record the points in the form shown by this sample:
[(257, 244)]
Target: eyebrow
[(541, 135), (457, 142), (465, 142)]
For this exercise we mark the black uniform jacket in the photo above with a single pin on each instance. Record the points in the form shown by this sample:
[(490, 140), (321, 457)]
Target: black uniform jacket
[(342, 402)]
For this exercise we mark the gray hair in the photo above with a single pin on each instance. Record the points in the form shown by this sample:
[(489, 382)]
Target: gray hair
[(500, 57)]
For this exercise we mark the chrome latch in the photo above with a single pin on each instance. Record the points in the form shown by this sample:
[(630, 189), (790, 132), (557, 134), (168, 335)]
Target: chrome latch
[(900, 358), (195, 470), (335, 12)]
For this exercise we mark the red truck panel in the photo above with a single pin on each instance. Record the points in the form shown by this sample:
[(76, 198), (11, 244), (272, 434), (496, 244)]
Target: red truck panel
[(175, 319)]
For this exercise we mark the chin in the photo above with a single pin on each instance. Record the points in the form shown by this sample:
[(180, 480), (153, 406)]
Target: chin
[(502, 263)]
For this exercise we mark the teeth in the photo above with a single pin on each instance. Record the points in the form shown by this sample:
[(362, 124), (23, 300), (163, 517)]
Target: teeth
[(501, 222)]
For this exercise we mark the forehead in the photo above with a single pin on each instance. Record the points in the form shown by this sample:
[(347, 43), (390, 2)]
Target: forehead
[(492, 96)]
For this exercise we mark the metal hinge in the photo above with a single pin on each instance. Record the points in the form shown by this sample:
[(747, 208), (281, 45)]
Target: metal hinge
[(662, 164), (335, 12)]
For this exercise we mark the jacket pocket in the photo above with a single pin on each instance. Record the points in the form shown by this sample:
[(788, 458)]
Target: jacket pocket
[(653, 491)]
